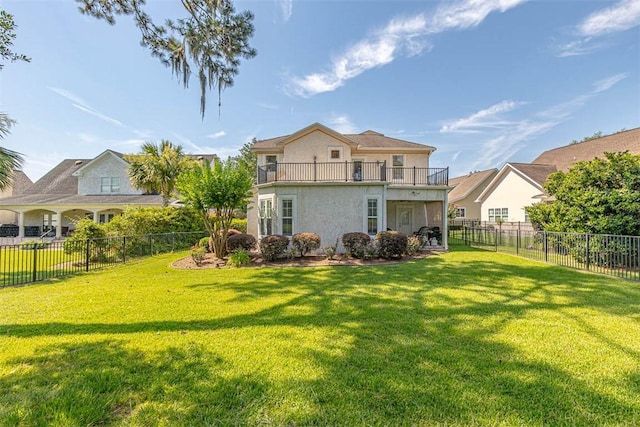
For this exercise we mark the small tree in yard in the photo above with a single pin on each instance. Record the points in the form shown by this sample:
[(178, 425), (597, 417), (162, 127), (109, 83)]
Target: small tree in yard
[(216, 192)]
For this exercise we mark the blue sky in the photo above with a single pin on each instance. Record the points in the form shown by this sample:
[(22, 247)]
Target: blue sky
[(483, 81)]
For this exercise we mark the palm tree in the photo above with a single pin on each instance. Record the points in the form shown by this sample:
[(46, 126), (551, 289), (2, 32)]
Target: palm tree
[(9, 160), (156, 167)]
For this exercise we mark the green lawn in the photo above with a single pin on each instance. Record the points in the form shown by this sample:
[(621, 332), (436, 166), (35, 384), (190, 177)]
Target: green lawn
[(465, 338)]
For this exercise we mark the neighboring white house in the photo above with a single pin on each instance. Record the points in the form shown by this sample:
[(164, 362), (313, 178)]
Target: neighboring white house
[(321, 181), (96, 188), (466, 190), (516, 185)]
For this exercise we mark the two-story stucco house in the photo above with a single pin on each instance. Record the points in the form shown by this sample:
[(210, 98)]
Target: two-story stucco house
[(96, 188), (321, 181)]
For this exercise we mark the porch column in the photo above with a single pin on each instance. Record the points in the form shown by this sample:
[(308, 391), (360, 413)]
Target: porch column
[(58, 224), (95, 216), (21, 225), (445, 222)]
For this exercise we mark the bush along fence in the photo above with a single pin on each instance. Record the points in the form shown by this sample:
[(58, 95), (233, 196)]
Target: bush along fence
[(32, 261), (600, 253)]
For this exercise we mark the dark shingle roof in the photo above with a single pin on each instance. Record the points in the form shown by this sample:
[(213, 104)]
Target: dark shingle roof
[(59, 180), (538, 173), (563, 157), (20, 183), (465, 185)]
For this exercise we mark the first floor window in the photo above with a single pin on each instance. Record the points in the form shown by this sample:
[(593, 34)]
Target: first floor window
[(461, 212), (110, 184), (373, 215), (104, 218), (266, 224), (287, 216), (496, 214)]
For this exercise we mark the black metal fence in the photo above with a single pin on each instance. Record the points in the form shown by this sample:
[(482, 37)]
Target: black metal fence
[(351, 172), (33, 261), (600, 253)]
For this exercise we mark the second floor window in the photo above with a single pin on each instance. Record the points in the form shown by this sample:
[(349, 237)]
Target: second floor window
[(461, 212), (271, 162), (397, 161), (110, 184)]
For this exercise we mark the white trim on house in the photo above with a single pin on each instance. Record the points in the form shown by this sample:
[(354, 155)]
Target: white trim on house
[(266, 215), (294, 211), (378, 214)]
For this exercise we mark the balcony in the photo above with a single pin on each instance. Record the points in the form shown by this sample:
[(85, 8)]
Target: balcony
[(351, 172)]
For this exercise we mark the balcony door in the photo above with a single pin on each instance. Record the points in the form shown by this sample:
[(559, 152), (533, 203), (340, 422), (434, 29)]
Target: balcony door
[(404, 219)]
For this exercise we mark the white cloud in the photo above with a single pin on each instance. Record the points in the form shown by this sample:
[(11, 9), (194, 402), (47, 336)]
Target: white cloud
[(455, 155), (401, 37), (607, 83), (578, 47), (466, 14), (620, 17), (508, 139), (217, 135), (79, 103), (487, 118), (286, 7), (341, 124)]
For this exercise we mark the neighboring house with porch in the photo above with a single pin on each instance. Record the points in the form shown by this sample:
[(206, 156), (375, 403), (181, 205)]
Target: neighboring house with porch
[(466, 190), (19, 184), (322, 181), (518, 185), (96, 188)]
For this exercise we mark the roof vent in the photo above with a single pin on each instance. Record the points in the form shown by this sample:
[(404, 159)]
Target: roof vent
[(78, 162)]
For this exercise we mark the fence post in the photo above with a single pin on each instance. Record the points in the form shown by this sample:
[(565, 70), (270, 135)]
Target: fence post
[(586, 250), (34, 275), (150, 244), (545, 245), (414, 175), (173, 241), (86, 255), (315, 165), (518, 240), (496, 239), (124, 249), (346, 171)]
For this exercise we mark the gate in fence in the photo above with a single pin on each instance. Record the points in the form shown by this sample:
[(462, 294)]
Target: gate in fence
[(601, 253)]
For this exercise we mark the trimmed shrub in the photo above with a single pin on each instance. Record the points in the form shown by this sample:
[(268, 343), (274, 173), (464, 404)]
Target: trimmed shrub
[(391, 244), (305, 242), (355, 244), (413, 245), (242, 241), (273, 246)]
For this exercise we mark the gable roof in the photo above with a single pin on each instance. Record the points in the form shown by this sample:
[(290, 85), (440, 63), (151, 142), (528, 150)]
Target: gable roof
[(564, 157), (463, 186), (362, 141), (535, 175), (106, 153)]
